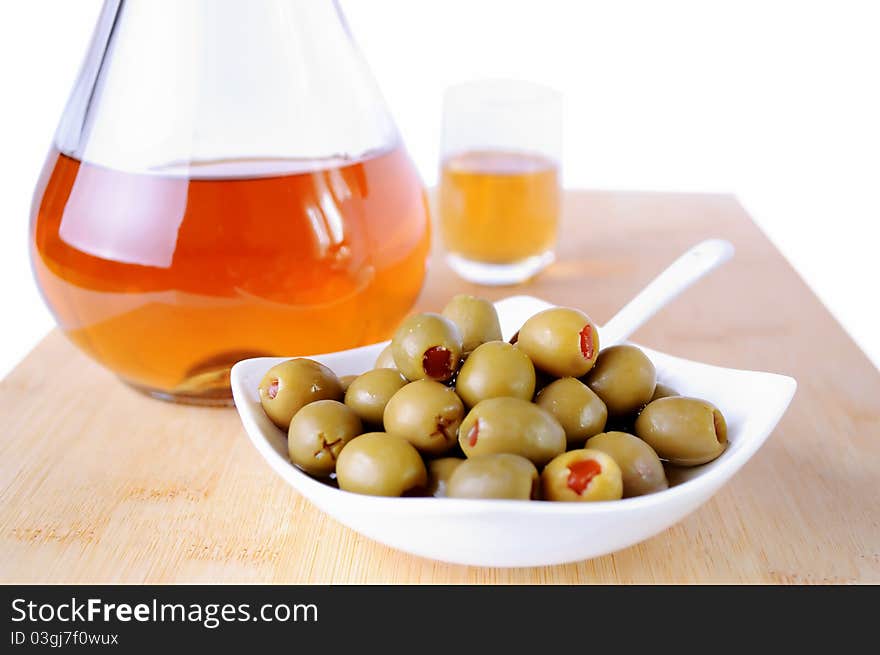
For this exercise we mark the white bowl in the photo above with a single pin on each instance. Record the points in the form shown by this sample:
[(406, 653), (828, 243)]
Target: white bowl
[(529, 533)]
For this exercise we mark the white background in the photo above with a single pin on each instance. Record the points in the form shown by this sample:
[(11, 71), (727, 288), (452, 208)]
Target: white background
[(778, 102)]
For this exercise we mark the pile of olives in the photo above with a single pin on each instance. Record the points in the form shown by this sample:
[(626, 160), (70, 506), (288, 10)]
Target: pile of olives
[(452, 410)]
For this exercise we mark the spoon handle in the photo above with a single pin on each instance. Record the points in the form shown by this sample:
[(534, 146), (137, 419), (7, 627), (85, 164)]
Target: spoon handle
[(682, 273)]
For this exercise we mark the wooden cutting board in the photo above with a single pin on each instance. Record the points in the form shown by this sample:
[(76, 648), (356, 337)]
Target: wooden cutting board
[(100, 484)]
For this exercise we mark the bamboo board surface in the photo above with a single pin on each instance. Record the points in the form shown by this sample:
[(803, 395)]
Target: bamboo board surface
[(100, 484)]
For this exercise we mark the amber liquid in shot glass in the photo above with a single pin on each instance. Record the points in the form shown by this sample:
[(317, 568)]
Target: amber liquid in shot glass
[(499, 208)]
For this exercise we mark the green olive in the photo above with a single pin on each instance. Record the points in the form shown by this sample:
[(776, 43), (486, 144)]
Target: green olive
[(317, 434), (370, 392), (425, 413), (582, 475), (560, 341), (684, 431), (500, 475), (494, 370), (439, 472), (542, 380), (385, 358), (476, 319), (427, 346), (624, 378), (663, 391), (580, 412), (345, 381), (290, 385), (511, 425), (379, 464), (641, 468)]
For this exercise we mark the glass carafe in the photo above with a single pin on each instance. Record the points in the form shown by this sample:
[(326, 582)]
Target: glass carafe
[(225, 182)]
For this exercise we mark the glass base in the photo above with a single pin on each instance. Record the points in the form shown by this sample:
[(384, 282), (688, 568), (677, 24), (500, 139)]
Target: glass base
[(500, 274), (209, 398)]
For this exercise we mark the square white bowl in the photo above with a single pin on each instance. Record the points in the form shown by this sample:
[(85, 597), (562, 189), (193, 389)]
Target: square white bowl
[(507, 533)]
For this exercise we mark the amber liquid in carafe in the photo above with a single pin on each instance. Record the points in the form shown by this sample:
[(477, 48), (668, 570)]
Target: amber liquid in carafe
[(499, 207), (168, 280)]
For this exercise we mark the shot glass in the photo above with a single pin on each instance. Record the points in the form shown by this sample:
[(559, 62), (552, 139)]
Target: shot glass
[(499, 191)]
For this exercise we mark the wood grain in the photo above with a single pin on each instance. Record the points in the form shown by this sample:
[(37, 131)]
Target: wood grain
[(99, 484)]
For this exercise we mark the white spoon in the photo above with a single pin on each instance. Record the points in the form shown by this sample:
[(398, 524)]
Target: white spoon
[(682, 273)]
